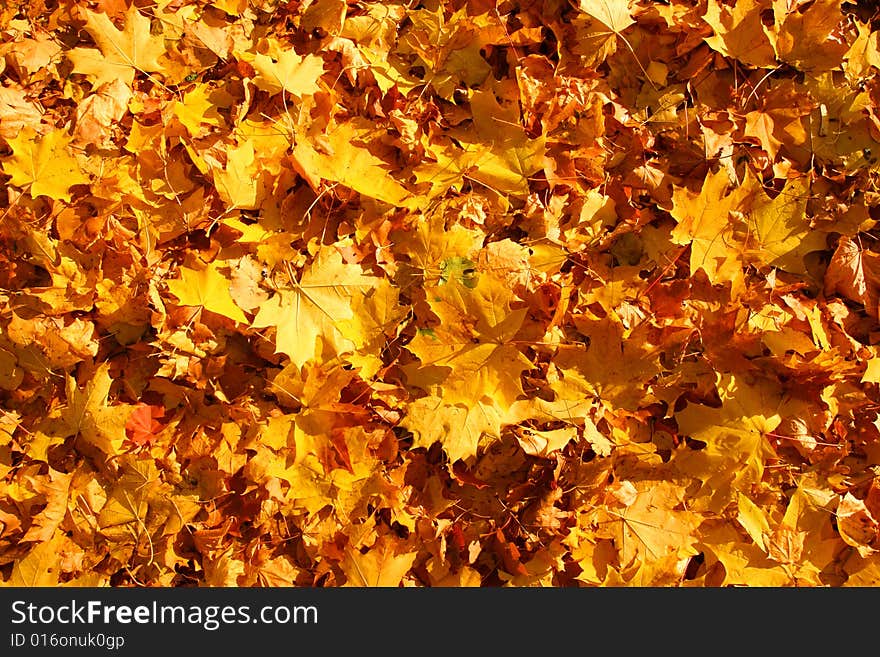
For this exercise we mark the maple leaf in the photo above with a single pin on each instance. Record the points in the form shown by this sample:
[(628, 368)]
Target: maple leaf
[(141, 507), (359, 483), (649, 525), (224, 570), (703, 222), (862, 572), (613, 13), (503, 155), (315, 429), (471, 373), (121, 53), (597, 33), (574, 412), (34, 54), (89, 416), (243, 183), (16, 112), (62, 345), (740, 33), (380, 566), (735, 434), (449, 49), (857, 525), (446, 168), (781, 230), (430, 243), (753, 520), (45, 165), (143, 425), (196, 111), (98, 114), (56, 491), (744, 564), (312, 306), (854, 273), (863, 53), (206, 288), (457, 427), (760, 125), (309, 487), (613, 369), (345, 161), (601, 313), (289, 71), (40, 567), (376, 315), (803, 37)]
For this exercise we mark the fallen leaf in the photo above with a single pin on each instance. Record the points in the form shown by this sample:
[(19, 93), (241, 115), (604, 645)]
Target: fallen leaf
[(44, 165)]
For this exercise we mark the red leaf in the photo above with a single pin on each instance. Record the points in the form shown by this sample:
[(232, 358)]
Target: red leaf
[(461, 473), (510, 554), (142, 425)]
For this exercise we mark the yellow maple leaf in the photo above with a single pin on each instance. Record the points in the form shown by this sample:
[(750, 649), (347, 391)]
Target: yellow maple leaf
[(854, 273), (703, 222), (447, 48), (615, 369), (471, 350), (342, 159), (441, 574), (503, 156), (804, 35), (44, 164), (388, 68), (429, 243), (753, 520), (739, 32), (327, 14), (613, 13), (99, 113), (744, 563), (872, 371), (40, 567), (574, 412), (650, 526), (780, 123), (312, 307), (863, 53), (197, 110), (457, 427), (89, 415), (120, 53), (857, 526), (231, 7), (244, 183), (140, 505), (544, 443), (60, 345), (735, 435), (296, 74), (17, 110), (448, 171), (206, 288), (779, 229), (380, 566), (375, 316), (309, 487), (55, 489), (760, 126)]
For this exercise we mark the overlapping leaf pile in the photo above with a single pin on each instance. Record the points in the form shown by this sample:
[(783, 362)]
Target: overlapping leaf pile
[(443, 293)]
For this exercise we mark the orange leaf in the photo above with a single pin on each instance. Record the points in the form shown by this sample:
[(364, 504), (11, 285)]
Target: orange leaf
[(142, 425)]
